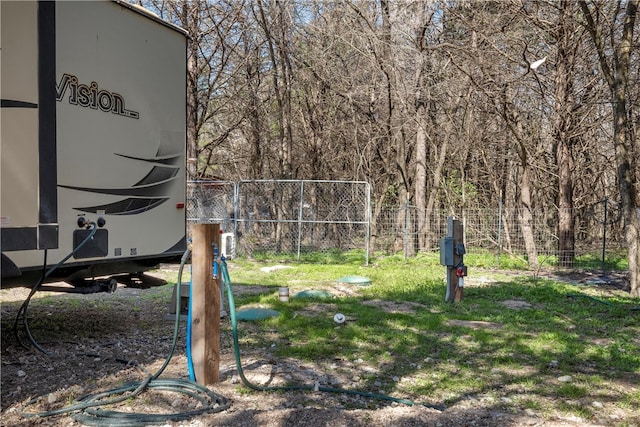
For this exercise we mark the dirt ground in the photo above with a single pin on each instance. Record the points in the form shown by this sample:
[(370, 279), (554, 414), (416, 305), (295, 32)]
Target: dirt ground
[(100, 341)]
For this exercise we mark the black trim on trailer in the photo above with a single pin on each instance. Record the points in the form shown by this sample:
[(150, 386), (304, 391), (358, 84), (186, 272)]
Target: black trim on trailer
[(180, 246), (48, 236), (45, 234), (48, 175), (19, 238)]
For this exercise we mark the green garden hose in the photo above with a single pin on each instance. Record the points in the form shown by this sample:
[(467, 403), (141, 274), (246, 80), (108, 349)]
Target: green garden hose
[(598, 300), (246, 382), (85, 411)]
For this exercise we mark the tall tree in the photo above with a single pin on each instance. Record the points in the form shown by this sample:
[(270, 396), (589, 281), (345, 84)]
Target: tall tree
[(564, 134), (615, 47), (210, 26), (481, 32)]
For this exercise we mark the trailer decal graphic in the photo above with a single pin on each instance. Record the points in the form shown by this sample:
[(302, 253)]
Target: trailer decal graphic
[(92, 96), (170, 159), (158, 174), (155, 190), (130, 206), (11, 103), (146, 194)]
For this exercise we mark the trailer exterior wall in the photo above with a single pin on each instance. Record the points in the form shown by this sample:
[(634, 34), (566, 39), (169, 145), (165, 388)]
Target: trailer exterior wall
[(117, 81), (19, 204)]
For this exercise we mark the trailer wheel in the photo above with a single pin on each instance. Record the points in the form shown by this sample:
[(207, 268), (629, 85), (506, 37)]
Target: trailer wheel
[(111, 285)]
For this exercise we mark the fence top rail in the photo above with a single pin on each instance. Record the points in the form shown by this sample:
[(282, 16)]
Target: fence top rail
[(325, 181), (209, 182), (301, 221)]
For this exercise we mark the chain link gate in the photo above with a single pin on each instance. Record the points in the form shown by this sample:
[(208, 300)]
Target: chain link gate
[(213, 202), (285, 216)]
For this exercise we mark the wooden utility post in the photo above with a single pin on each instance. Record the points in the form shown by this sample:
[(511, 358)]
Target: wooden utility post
[(458, 239), (205, 305), (453, 245)]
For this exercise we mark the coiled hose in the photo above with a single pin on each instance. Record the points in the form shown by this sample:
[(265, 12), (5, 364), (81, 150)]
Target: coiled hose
[(246, 382), (85, 409)]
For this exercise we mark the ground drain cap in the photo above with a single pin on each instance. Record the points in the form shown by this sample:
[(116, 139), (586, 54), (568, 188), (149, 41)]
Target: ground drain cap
[(251, 314), (312, 293), (355, 280)]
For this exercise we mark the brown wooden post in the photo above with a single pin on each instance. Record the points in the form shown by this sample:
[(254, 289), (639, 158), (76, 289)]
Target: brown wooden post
[(205, 306), (458, 239), (456, 232)]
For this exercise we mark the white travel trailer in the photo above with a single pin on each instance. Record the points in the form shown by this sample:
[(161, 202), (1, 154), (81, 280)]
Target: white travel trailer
[(93, 126)]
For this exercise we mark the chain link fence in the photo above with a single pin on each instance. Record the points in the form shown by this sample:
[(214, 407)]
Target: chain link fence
[(213, 202), (292, 217), (296, 218), (598, 231)]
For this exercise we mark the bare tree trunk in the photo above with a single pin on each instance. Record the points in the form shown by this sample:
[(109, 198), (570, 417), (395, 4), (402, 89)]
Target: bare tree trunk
[(424, 116), (566, 227), (435, 186), (525, 216), (614, 63), (421, 177), (275, 26), (421, 103), (563, 138), (525, 213), (254, 138), (192, 93)]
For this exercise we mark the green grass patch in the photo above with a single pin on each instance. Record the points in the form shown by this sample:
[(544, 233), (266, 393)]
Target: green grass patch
[(479, 258), (400, 326), (572, 391)]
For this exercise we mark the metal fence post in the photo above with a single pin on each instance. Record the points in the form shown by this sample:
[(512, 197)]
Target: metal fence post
[(604, 232), (300, 205), (236, 195), (406, 230), (367, 235), (500, 233)]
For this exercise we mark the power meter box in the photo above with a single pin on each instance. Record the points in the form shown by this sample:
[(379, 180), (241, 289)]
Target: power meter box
[(447, 251)]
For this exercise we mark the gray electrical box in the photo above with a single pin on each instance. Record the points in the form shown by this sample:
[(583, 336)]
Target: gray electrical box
[(447, 251)]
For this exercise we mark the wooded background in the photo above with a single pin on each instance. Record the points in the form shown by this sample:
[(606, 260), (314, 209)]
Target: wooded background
[(434, 103)]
